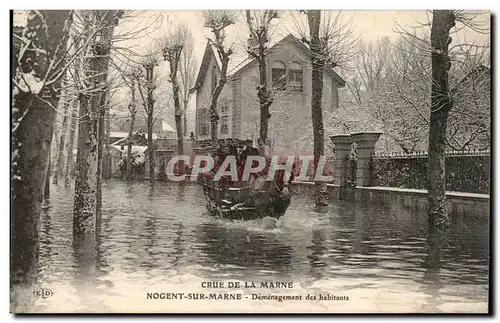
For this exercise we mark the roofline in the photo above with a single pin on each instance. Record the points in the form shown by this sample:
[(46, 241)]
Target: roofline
[(204, 66), (204, 63), (340, 81)]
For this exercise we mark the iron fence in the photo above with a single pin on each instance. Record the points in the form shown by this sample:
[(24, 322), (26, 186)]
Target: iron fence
[(466, 171)]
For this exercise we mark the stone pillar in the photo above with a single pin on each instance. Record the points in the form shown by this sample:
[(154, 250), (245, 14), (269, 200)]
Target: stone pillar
[(342, 149), (365, 147)]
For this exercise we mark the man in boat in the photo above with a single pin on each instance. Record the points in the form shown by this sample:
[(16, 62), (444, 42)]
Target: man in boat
[(249, 149), (220, 145), (232, 148), (238, 145), (271, 198)]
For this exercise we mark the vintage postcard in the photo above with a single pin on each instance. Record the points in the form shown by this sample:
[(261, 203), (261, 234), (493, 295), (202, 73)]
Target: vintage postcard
[(250, 161)]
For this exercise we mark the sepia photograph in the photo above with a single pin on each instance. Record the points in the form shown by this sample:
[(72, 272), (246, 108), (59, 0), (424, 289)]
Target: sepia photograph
[(250, 161)]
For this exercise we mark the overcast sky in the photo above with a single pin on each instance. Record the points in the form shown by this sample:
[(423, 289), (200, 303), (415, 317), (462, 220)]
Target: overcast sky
[(368, 25)]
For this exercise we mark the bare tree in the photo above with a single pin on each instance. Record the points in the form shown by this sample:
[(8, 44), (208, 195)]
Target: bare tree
[(173, 45), (36, 90), (370, 68), (68, 172), (331, 42), (91, 86), (436, 56), (59, 165), (392, 82), (146, 86), (131, 81), (187, 76), (443, 21), (217, 21), (259, 23)]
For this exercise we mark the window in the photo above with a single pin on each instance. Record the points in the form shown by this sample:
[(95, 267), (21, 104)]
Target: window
[(214, 78), (203, 122), (224, 120), (295, 77), (278, 73)]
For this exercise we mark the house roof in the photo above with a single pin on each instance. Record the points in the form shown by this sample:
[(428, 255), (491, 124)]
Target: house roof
[(166, 127), (135, 148), (123, 135), (118, 134), (240, 60)]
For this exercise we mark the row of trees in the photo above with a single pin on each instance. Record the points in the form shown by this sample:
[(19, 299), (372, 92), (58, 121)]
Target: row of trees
[(390, 85), (70, 63)]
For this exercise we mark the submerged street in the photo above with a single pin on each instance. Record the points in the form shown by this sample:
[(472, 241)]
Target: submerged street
[(161, 240)]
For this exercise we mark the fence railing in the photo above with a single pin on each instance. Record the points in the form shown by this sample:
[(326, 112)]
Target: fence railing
[(466, 171)]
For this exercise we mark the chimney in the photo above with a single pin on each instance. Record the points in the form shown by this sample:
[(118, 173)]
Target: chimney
[(252, 44)]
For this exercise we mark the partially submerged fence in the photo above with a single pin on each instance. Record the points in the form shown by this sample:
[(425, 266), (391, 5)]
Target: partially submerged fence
[(466, 171)]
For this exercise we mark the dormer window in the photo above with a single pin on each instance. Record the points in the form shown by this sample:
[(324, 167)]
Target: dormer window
[(295, 77), (278, 73)]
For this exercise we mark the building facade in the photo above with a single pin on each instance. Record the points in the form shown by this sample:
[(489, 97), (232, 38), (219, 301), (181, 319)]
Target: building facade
[(289, 72)]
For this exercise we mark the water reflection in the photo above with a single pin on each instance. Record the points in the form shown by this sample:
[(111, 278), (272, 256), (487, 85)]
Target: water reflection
[(318, 250), (431, 282), (226, 245), (150, 233), (46, 237)]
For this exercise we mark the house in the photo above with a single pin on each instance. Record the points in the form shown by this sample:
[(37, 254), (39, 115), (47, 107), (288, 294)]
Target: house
[(117, 137), (167, 131), (117, 152), (289, 72)]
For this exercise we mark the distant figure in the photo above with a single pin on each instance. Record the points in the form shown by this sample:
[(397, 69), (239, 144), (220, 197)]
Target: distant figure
[(192, 136)]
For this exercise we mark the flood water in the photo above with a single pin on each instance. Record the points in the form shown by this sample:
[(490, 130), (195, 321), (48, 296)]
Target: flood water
[(161, 240)]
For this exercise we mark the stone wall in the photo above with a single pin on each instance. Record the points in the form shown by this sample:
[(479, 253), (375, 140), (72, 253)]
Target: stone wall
[(459, 204)]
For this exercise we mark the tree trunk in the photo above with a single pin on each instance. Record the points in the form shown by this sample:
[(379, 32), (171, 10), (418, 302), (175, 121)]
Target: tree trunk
[(129, 146), (264, 95), (103, 52), (86, 171), (317, 60), (33, 122), (441, 104), (87, 183), (174, 64), (60, 148), (180, 142), (133, 111), (46, 190), (214, 116), (151, 147), (70, 145), (149, 107), (184, 119), (107, 158)]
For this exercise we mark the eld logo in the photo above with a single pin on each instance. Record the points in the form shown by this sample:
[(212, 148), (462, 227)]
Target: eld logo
[(42, 292)]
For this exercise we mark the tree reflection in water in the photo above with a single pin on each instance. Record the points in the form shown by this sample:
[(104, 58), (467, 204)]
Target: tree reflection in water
[(85, 252), (317, 248), (432, 283)]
